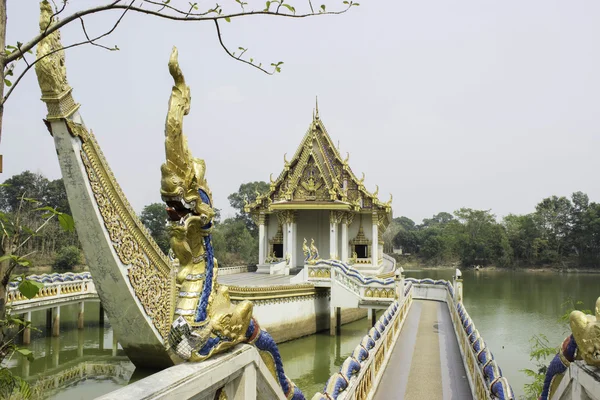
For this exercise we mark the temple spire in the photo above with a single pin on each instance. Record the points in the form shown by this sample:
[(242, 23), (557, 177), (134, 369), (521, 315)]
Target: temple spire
[(316, 108)]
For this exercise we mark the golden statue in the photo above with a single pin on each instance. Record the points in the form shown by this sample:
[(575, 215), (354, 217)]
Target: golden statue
[(586, 331), (311, 186), (206, 321)]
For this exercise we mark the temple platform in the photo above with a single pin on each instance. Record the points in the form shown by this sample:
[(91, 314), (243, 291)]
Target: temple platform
[(254, 279)]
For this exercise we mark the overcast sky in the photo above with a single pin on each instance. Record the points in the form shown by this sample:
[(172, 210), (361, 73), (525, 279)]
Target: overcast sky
[(445, 104)]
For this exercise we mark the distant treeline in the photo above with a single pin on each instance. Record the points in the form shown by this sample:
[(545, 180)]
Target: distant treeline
[(560, 232), (21, 198)]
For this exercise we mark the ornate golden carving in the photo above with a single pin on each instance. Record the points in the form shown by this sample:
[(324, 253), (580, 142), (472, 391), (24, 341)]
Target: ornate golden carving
[(51, 69), (149, 270), (586, 331), (188, 197)]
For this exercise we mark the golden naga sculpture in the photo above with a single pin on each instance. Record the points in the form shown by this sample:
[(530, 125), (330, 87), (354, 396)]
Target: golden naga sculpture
[(206, 322), (586, 331), (51, 69)]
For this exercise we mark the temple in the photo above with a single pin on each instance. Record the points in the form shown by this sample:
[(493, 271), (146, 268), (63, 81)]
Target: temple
[(318, 201)]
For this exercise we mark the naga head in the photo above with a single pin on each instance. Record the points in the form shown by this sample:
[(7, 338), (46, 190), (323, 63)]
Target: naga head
[(183, 184), (586, 331)]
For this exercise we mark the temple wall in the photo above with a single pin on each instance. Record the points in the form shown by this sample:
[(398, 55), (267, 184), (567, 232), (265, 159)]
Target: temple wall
[(312, 224), (292, 318)]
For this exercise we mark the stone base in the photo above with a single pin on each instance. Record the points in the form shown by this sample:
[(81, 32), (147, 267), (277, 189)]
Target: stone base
[(263, 269)]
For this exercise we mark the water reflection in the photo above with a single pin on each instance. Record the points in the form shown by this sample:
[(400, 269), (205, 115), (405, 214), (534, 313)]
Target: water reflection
[(508, 308)]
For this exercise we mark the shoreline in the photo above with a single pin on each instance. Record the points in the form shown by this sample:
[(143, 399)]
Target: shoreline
[(526, 269)]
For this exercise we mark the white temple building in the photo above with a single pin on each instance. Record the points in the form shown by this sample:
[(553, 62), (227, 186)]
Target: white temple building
[(317, 197)]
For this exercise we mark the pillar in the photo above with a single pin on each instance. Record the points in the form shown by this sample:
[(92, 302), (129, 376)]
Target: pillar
[(80, 342), (333, 240), (48, 320), (375, 241), (27, 329), (399, 278), (115, 344), (80, 316), (101, 316), (284, 228), (56, 321), (372, 315), (294, 260), (335, 320), (261, 239), (458, 286), (55, 352), (344, 250)]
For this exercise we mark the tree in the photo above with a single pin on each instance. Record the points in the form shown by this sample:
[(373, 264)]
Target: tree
[(154, 217), (15, 57), (246, 194), (554, 214)]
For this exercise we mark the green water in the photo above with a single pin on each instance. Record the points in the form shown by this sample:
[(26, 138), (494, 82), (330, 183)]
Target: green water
[(508, 308)]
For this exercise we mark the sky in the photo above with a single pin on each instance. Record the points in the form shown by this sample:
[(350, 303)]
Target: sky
[(470, 103)]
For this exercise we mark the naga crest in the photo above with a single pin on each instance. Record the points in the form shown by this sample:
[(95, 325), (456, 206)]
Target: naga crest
[(183, 181), (51, 69), (586, 331), (206, 322)]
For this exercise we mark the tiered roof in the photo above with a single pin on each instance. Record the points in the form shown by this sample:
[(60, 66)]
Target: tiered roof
[(317, 177)]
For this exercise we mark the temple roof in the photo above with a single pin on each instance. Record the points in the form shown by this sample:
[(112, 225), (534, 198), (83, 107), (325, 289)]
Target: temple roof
[(317, 177)]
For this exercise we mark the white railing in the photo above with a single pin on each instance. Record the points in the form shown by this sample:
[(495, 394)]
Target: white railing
[(361, 372), (580, 382), (484, 375), (237, 374), (55, 286)]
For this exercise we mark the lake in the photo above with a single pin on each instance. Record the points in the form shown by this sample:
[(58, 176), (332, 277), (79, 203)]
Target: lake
[(508, 308)]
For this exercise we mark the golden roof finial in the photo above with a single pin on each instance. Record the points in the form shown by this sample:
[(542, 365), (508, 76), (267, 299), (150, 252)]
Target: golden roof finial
[(316, 108)]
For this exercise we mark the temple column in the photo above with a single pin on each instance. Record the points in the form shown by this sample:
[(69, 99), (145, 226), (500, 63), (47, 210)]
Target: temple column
[(375, 241), (291, 237), (333, 240), (294, 260), (261, 239), (344, 249), (284, 227)]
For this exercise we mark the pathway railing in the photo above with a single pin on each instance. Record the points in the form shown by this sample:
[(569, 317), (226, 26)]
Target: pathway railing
[(238, 374), (55, 286), (484, 374), (361, 372)]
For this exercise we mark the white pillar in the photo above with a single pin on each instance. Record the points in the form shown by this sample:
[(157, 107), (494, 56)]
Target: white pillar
[(333, 239), (290, 239), (261, 239), (344, 255), (375, 243), (284, 228), (294, 252)]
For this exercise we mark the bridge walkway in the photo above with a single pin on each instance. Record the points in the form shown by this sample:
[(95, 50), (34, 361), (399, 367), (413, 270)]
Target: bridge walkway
[(425, 363)]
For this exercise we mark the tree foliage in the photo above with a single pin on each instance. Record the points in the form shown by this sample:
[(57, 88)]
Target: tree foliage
[(246, 194), (154, 217), (561, 231)]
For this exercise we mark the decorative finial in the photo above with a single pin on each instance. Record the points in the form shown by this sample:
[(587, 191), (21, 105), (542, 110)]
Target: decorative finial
[(316, 107)]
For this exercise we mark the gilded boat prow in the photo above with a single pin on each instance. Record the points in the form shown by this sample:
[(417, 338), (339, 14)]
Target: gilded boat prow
[(132, 275)]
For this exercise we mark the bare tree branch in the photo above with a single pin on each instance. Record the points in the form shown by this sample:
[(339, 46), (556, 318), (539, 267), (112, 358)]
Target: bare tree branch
[(115, 6), (29, 66), (238, 58)]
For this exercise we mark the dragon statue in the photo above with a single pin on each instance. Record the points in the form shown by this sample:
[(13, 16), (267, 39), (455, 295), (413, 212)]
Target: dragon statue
[(206, 322), (582, 344)]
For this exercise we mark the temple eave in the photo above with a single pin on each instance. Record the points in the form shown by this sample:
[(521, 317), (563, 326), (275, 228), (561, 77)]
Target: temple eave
[(306, 205)]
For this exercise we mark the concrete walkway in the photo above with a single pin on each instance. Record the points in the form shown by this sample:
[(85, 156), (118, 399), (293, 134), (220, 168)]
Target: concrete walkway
[(426, 363)]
